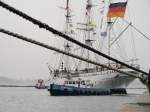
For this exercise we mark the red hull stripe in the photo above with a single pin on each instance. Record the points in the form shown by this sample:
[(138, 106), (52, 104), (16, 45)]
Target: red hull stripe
[(117, 9)]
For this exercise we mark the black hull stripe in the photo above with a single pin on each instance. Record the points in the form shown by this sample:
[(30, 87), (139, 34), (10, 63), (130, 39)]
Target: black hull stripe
[(120, 4)]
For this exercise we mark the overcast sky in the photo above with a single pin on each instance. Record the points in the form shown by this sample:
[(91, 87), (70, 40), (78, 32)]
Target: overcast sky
[(22, 60)]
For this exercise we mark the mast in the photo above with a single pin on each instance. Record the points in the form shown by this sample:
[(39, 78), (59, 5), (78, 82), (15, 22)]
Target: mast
[(89, 28), (109, 38), (109, 23), (67, 45)]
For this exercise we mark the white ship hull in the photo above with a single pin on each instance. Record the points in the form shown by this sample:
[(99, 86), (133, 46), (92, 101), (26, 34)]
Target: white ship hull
[(105, 79)]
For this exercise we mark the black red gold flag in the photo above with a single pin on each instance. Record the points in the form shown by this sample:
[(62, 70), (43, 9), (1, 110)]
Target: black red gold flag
[(117, 9)]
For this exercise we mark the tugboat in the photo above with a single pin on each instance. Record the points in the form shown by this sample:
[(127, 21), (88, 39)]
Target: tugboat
[(40, 84), (80, 87)]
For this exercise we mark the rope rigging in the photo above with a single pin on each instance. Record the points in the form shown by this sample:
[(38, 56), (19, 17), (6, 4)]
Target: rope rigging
[(47, 27), (120, 35), (118, 47), (139, 31), (18, 36)]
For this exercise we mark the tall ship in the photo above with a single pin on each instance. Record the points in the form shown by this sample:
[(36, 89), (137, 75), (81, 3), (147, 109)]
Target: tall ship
[(73, 74)]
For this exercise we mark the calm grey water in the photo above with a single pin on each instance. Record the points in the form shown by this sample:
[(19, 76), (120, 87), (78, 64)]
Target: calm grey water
[(34, 100)]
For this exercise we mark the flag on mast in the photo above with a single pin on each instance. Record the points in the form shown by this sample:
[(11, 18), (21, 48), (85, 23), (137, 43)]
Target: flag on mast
[(117, 9)]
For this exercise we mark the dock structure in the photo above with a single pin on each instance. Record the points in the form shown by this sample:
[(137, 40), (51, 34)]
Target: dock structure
[(16, 85), (141, 104)]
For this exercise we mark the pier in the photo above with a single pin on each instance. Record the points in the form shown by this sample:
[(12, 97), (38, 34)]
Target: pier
[(24, 86), (141, 104), (16, 86)]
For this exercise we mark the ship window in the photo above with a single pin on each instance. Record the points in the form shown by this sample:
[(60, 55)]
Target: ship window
[(66, 82), (77, 82), (83, 82), (71, 82)]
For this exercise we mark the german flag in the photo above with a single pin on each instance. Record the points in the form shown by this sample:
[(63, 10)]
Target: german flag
[(117, 9)]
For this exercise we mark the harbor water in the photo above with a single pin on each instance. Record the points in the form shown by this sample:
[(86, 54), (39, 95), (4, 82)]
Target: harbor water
[(36, 100)]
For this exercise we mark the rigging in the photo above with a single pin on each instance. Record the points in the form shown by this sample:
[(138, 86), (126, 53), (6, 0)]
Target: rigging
[(63, 52), (47, 27)]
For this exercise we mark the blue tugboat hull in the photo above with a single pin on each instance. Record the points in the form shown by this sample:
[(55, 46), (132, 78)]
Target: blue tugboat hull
[(62, 90)]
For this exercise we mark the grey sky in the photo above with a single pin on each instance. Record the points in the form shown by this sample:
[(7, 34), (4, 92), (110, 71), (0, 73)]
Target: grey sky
[(22, 60)]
